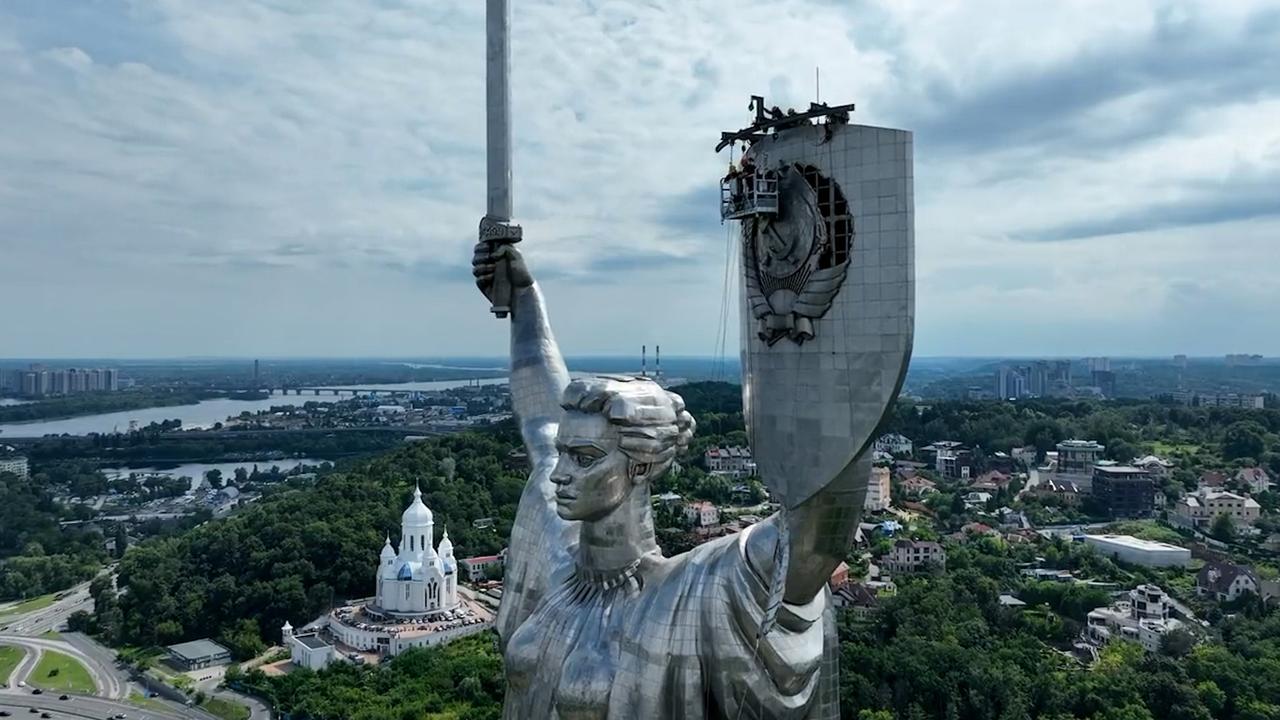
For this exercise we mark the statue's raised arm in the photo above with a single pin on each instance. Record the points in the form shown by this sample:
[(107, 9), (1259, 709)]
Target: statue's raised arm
[(540, 539), (538, 374)]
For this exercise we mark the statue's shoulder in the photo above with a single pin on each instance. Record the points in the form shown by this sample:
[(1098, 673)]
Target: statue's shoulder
[(696, 565)]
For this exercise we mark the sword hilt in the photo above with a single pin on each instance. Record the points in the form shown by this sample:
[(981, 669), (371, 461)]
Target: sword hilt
[(500, 232)]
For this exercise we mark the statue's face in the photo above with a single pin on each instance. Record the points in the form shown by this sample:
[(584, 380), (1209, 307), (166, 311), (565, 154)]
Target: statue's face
[(590, 476)]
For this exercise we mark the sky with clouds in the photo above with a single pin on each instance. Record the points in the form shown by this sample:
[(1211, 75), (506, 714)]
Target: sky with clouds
[(290, 177)]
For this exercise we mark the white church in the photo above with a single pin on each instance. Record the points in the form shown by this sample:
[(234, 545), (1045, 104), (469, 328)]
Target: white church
[(417, 579), (415, 603)]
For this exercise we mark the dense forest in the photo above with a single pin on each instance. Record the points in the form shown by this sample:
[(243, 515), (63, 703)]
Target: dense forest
[(37, 555), (152, 445), (945, 648)]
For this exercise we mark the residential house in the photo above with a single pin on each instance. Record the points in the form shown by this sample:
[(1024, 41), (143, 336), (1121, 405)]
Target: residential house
[(1125, 491), (977, 498), (1066, 493), (909, 556), (992, 481), (955, 463), (1013, 519), (877, 490), (894, 444), (1075, 460), (1156, 467), (1000, 460), (702, 514), (917, 486), (1024, 455), (859, 599), (1199, 509), (482, 567), (977, 528), (735, 461), (1143, 618), (1255, 479), (1212, 479), (907, 468), (839, 576), (1226, 581), (951, 459)]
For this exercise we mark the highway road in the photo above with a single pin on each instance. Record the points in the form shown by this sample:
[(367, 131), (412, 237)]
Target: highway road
[(54, 616), (78, 706)]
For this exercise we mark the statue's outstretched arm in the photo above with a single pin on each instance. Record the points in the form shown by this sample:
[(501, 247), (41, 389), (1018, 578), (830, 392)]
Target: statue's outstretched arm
[(538, 373), (821, 530)]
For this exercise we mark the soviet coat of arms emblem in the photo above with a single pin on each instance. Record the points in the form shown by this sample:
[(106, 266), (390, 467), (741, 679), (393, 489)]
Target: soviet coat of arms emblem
[(792, 274)]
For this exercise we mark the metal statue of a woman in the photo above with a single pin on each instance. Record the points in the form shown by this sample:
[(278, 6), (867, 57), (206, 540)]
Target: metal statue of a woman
[(595, 622)]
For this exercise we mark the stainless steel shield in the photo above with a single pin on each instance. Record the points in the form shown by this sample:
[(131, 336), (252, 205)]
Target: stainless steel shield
[(828, 299)]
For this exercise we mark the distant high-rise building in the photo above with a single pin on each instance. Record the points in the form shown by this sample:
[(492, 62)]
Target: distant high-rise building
[(38, 381), (1098, 364), (1039, 380), (257, 374), (1105, 381), (1180, 361), (1236, 360), (1012, 382)]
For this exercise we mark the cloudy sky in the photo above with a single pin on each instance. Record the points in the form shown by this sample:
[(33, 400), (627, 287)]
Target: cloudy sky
[(291, 177)]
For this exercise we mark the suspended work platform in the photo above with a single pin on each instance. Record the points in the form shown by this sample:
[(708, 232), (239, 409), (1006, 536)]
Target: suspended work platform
[(748, 193)]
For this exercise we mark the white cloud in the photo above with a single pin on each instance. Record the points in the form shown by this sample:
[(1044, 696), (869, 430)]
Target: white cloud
[(290, 177)]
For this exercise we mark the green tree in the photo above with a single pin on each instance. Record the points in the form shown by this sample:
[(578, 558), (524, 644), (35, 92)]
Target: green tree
[(214, 478), (1177, 643), (121, 540), (1244, 439), (1044, 435), (243, 640), (1223, 527)]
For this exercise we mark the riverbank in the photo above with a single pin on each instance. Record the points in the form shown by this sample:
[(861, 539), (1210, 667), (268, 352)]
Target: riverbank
[(205, 413), (74, 406)]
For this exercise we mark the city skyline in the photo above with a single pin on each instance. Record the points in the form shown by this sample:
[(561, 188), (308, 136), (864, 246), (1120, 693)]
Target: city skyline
[(250, 179)]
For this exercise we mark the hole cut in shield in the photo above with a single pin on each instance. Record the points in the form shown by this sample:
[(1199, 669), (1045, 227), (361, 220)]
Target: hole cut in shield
[(833, 208)]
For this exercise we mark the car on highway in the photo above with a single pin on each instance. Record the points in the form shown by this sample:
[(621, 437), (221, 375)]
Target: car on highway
[(5, 713), (37, 691), (64, 697)]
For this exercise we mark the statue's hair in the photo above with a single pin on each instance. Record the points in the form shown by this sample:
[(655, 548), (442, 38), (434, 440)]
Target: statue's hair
[(653, 424)]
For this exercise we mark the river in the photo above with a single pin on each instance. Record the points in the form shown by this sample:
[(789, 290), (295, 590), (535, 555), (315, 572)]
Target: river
[(196, 471), (206, 412)]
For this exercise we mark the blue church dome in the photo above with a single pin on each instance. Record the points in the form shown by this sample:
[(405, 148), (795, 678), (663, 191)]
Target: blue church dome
[(406, 573)]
